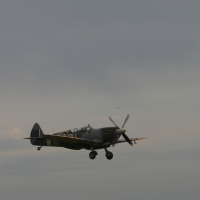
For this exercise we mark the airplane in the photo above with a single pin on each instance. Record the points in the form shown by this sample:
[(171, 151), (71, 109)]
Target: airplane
[(84, 138)]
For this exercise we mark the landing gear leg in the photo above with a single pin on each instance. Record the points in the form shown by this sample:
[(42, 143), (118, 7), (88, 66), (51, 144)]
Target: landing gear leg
[(39, 148), (93, 154), (109, 155)]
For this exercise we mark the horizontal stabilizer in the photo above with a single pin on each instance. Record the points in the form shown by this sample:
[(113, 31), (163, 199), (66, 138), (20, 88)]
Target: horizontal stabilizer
[(38, 138)]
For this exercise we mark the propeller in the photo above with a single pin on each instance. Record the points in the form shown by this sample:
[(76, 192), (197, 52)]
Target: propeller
[(127, 117), (113, 121), (121, 131)]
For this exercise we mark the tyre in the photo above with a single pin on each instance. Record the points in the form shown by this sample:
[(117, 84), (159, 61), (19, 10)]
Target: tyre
[(92, 155), (109, 155)]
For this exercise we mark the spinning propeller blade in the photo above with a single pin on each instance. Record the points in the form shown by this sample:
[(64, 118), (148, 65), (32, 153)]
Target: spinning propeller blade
[(127, 139), (121, 131), (127, 117), (113, 122)]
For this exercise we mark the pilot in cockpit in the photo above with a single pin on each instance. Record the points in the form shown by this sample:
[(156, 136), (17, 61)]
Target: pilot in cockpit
[(89, 127)]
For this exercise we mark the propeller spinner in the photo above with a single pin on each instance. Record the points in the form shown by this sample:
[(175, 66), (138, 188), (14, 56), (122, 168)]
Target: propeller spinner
[(121, 131)]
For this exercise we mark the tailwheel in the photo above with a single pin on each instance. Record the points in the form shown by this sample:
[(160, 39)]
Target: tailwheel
[(39, 148), (92, 154), (109, 155)]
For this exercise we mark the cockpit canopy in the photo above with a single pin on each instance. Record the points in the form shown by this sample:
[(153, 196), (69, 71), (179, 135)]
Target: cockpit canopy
[(73, 132)]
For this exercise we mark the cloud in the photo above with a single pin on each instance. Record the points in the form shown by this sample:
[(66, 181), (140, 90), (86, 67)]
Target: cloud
[(13, 133)]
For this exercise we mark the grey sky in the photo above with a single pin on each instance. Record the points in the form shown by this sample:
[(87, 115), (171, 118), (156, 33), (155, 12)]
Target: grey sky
[(65, 64)]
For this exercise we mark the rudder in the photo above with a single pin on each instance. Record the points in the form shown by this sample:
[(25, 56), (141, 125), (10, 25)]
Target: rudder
[(36, 136)]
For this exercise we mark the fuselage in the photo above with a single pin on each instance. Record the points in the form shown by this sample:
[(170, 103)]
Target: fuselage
[(104, 136)]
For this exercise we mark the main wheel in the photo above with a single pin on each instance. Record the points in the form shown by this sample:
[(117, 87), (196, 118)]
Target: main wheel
[(92, 154), (109, 155)]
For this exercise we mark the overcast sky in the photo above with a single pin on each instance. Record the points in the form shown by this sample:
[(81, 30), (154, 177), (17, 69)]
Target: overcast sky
[(66, 64)]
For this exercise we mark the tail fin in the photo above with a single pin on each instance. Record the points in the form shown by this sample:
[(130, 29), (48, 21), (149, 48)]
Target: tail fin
[(37, 136), (36, 131)]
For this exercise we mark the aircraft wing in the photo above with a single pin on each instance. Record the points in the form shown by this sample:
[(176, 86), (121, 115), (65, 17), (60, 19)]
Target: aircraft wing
[(71, 140), (132, 139)]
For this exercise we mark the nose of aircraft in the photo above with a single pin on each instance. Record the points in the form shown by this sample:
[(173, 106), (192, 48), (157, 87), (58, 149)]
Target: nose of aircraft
[(120, 131)]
